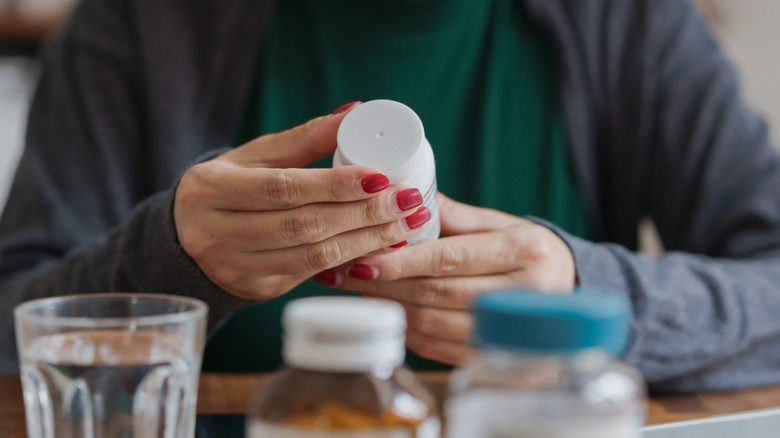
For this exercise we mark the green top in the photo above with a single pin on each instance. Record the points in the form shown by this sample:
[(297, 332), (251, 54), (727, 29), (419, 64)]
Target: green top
[(480, 75)]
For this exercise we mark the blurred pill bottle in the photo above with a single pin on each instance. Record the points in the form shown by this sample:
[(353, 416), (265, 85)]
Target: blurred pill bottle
[(343, 376), (547, 367), (389, 136)]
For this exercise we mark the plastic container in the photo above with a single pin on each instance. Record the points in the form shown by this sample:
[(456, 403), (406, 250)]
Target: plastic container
[(389, 136), (547, 368), (343, 376)]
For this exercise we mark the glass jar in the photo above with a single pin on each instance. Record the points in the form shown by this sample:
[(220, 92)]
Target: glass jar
[(343, 376), (547, 368)]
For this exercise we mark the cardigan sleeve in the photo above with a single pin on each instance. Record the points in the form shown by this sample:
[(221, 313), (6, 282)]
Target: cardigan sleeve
[(705, 314), (80, 217)]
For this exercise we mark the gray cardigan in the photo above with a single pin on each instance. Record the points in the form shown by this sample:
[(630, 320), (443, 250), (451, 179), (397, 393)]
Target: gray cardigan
[(133, 92)]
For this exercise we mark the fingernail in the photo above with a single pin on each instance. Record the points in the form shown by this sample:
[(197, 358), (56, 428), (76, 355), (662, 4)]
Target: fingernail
[(374, 183), (400, 244), (418, 218), (328, 277), (346, 106), (362, 272), (408, 199)]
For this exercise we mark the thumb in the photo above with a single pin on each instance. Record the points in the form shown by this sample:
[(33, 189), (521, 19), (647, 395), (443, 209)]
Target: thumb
[(459, 218), (295, 147)]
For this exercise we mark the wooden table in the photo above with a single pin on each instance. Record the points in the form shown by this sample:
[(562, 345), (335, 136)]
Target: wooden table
[(230, 393)]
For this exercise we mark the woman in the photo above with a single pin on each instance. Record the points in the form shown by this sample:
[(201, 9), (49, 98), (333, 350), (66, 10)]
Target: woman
[(580, 116)]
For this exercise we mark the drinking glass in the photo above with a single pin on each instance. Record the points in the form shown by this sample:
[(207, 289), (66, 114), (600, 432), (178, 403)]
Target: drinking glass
[(110, 365)]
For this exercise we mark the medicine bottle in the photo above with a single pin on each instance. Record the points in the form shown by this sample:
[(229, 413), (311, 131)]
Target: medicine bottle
[(389, 136), (343, 376), (547, 367)]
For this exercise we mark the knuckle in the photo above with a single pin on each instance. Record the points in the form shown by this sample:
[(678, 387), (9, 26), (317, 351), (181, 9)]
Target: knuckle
[(448, 259), (372, 211), (389, 234), (226, 276), (273, 286), (423, 348), (335, 188), (195, 241), (323, 255), (305, 225), (529, 246), (193, 184), (424, 321), (255, 287), (281, 189), (538, 248), (308, 128), (431, 292), (391, 271)]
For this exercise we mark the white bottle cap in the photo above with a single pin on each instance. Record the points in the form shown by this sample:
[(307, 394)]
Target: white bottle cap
[(389, 136), (343, 334)]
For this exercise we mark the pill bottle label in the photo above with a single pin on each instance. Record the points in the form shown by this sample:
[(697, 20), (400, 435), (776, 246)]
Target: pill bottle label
[(259, 429), (501, 414)]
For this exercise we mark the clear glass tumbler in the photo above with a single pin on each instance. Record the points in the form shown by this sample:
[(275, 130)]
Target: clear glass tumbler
[(111, 365)]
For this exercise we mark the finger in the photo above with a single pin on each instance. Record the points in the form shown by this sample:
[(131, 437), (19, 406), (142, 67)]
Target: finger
[(453, 353), (235, 188), (251, 231), (459, 218), (456, 293), (307, 260), (448, 325), (471, 254), (295, 147)]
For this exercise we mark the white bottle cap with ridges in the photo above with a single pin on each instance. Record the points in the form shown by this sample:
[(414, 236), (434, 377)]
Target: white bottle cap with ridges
[(343, 334), (389, 136)]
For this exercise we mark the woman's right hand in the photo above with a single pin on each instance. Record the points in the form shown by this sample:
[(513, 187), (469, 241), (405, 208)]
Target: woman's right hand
[(258, 225)]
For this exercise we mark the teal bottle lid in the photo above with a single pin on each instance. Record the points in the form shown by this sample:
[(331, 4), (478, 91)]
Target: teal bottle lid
[(529, 320)]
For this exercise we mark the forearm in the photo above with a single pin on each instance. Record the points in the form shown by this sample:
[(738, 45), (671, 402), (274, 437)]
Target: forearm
[(698, 322)]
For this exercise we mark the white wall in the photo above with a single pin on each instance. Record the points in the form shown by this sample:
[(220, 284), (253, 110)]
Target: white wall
[(750, 32), (15, 88)]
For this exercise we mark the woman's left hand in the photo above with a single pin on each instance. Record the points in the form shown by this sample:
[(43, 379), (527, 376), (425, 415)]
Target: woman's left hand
[(437, 281)]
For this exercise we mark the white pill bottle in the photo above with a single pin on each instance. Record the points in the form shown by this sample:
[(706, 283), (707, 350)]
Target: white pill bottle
[(389, 136)]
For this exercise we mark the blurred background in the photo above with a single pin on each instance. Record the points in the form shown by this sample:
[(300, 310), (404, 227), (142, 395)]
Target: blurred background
[(747, 28)]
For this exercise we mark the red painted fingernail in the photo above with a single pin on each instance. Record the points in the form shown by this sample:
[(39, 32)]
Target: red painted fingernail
[(400, 244), (362, 272), (418, 218), (346, 106), (408, 199), (328, 277), (374, 183)]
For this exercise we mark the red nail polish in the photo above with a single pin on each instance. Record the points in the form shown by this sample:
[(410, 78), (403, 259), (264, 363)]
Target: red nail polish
[(408, 199), (400, 244), (418, 218), (328, 277), (374, 183), (345, 107), (362, 272)]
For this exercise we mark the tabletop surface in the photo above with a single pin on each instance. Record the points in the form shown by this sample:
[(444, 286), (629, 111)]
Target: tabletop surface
[(230, 393)]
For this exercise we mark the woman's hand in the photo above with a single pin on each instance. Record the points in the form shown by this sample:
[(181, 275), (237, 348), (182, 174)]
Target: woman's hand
[(437, 281), (257, 225)]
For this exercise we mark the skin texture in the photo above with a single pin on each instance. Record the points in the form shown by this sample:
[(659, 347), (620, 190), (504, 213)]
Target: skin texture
[(436, 281), (257, 225)]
